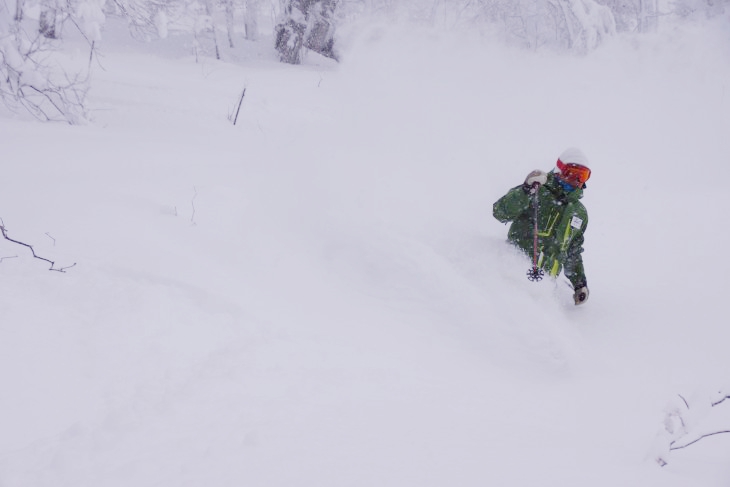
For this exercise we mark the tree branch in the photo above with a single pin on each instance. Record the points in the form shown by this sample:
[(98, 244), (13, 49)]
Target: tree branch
[(672, 447), (192, 203), (240, 102), (683, 400), (721, 400), (53, 264)]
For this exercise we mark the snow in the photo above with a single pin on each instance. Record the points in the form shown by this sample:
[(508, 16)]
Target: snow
[(319, 295)]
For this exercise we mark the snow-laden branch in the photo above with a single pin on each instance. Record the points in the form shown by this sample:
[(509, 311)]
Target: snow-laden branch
[(35, 74), (685, 425)]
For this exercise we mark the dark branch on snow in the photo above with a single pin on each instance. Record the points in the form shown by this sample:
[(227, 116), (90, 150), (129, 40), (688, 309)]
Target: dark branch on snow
[(684, 400), (192, 203), (53, 264), (672, 447), (240, 102), (721, 400)]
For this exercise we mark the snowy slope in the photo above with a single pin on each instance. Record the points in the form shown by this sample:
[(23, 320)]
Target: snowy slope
[(319, 295)]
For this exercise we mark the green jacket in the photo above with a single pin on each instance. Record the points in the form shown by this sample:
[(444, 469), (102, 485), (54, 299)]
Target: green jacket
[(562, 221)]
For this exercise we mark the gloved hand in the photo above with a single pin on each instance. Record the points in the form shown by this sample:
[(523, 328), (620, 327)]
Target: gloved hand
[(581, 295), (535, 177)]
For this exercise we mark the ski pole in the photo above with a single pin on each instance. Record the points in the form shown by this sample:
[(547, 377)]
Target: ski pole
[(535, 274)]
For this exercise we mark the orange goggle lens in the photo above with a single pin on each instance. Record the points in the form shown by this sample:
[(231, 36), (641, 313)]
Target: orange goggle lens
[(574, 174)]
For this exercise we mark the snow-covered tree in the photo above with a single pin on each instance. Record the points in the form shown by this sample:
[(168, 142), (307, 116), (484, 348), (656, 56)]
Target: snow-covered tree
[(212, 23), (148, 19), (33, 74), (90, 18), (577, 25), (706, 8), (627, 13), (306, 24), (586, 22), (252, 13), (49, 23)]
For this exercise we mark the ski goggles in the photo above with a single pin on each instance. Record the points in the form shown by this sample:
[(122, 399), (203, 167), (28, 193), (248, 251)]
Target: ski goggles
[(574, 174)]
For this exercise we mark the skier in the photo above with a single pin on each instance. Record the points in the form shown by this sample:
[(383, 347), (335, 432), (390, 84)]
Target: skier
[(561, 219)]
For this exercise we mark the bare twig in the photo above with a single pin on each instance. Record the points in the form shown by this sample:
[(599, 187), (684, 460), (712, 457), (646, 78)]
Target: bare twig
[(53, 264), (192, 203), (49, 236), (91, 54), (684, 400), (672, 447), (721, 400), (240, 102), (8, 257)]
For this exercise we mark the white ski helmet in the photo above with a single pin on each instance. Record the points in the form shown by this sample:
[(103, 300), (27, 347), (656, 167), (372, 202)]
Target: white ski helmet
[(572, 167), (573, 156)]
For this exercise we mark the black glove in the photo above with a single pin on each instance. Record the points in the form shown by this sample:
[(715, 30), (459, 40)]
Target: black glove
[(581, 295)]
